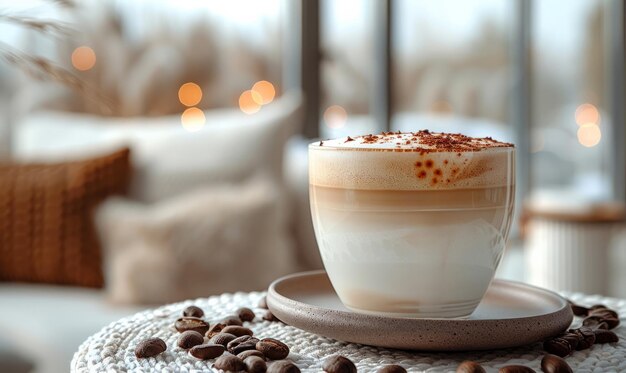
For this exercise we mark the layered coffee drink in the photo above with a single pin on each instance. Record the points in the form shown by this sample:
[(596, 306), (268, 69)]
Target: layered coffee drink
[(411, 224)]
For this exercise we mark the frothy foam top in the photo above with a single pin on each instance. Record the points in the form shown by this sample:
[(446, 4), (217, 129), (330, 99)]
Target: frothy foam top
[(421, 141), (421, 161)]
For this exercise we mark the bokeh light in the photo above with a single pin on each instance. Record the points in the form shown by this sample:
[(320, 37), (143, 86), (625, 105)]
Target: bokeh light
[(249, 102), (335, 116), (190, 94), (83, 58), (192, 119), (265, 91), (589, 134), (587, 113)]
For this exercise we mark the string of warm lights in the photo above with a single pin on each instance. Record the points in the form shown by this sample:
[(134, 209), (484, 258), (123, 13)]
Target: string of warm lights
[(588, 119), (261, 93)]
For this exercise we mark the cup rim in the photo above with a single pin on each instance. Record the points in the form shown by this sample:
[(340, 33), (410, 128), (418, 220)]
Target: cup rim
[(318, 145)]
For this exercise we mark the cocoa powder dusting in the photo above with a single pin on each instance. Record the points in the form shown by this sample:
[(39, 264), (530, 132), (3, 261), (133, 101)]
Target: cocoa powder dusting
[(427, 142)]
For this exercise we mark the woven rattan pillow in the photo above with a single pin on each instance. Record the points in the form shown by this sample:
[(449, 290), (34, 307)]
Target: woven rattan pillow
[(46, 227)]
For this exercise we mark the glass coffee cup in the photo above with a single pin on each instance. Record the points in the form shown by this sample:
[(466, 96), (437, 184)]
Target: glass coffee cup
[(412, 224)]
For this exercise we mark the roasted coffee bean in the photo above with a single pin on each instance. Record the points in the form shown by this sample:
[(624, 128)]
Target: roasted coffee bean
[(207, 351), (191, 323), (229, 363), (572, 339), (558, 346), (231, 320), (269, 316), (272, 348), (255, 364), (248, 353), (579, 310), (237, 330), (245, 314), (150, 347), (586, 337), (241, 344), (338, 364), (392, 368), (516, 369), (193, 311), (189, 339), (222, 339), (605, 336), (592, 321), (263, 303), (470, 367), (605, 313), (554, 364), (214, 330), (283, 366)]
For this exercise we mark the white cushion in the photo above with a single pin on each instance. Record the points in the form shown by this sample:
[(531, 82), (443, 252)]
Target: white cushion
[(168, 160), (213, 240)]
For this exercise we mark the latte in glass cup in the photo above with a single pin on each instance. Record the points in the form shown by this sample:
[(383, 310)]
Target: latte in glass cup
[(411, 224)]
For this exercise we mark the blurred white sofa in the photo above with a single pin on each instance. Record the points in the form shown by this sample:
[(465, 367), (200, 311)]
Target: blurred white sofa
[(42, 325)]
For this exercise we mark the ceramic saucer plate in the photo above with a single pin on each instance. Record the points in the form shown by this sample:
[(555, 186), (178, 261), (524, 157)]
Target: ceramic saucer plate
[(511, 314)]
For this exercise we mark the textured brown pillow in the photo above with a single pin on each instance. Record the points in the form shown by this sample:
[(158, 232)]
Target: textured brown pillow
[(46, 226)]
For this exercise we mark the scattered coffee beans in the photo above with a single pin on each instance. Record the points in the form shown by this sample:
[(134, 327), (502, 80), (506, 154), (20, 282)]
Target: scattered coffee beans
[(229, 363), (191, 323), (237, 330), (190, 338), (272, 348), (245, 314), (558, 346), (283, 366), (516, 369), (193, 311), (470, 367), (605, 336), (248, 353), (599, 319), (207, 351), (598, 316), (554, 364), (255, 364), (586, 337), (338, 364), (393, 368), (150, 347), (267, 315), (263, 303), (232, 320), (222, 339), (214, 330), (241, 344)]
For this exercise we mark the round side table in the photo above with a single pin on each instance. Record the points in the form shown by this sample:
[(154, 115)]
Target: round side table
[(112, 348)]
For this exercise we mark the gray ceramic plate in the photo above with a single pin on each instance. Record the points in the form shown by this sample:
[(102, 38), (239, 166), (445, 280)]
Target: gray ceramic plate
[(511, 314)]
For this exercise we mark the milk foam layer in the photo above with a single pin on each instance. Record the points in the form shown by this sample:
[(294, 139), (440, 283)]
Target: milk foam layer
[(419, 163)]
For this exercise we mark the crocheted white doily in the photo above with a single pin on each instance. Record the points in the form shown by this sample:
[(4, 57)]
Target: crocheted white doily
[(112, 349)]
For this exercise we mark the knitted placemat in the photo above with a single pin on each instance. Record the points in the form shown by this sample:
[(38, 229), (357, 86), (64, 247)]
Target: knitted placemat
[(112, 349)]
